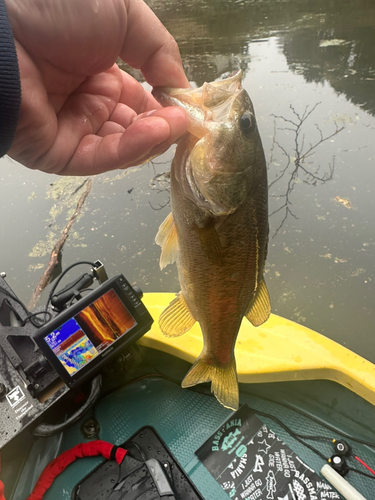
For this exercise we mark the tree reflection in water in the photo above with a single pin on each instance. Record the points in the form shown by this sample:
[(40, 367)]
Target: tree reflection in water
[(298, 166)]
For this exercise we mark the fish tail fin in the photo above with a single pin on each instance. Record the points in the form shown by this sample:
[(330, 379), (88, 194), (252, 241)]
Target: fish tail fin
[(223, 380)]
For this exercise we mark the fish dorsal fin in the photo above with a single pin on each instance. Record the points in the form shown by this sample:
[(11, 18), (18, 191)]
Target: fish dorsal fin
[(210, 243), (177, 318), (259, 309), (167, 239)]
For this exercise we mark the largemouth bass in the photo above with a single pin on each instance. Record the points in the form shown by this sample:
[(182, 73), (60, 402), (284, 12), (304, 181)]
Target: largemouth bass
[(218, 229)]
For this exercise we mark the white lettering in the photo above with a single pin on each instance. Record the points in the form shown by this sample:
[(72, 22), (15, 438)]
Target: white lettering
[(240, 467), (256, 494), (258, 463)]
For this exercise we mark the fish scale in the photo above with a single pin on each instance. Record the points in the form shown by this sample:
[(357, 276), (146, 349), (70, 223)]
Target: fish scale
[(218, 231)]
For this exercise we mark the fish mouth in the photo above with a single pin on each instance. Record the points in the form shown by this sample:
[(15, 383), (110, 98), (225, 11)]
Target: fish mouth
[(204, 174), (205, 106)]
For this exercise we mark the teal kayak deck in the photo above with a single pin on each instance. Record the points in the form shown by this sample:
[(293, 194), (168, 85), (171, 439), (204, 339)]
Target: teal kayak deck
[(185, 419)]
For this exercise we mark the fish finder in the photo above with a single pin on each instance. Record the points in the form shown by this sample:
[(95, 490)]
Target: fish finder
[(82, 338), (45, 355)]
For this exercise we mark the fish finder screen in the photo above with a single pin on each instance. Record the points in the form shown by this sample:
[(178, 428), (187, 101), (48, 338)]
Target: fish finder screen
[(80, 339)]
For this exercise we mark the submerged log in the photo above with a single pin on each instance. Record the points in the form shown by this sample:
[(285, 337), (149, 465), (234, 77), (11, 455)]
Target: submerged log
[(57, 249)]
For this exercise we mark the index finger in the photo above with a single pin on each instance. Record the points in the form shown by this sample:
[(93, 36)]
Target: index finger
[(148, 46)]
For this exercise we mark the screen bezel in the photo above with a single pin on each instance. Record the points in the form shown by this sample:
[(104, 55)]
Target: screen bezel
[(137, 310)]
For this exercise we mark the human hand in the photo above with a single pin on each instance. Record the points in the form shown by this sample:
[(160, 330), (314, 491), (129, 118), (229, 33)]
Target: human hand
[(80, 114)]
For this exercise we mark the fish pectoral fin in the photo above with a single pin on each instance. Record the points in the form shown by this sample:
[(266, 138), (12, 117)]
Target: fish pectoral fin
[(224, 383), (259, 309), (210, 243), (176, 319), (167, 239)]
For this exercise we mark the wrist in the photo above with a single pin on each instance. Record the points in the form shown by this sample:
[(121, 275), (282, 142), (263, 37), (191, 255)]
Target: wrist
[(10, 85)]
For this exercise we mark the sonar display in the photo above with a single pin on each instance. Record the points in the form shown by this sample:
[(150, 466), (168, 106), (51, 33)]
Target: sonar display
[(80, 339)]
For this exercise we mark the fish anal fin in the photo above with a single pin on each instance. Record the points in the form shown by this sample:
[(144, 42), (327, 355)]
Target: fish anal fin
[(259, 309), (176, 319), (224, 383), (167, 239), (210, 243)]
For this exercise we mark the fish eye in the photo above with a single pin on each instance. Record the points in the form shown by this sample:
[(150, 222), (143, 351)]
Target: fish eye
[(247, 123)]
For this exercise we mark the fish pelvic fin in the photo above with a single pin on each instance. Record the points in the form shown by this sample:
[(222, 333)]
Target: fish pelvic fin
[(259, 309), (166, 238), (177, 318), (224, 383)]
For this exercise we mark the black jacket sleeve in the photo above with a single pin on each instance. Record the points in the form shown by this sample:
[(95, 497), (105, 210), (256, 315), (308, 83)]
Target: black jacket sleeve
[(10, 85)]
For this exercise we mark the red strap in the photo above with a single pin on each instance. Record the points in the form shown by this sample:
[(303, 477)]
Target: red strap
[(2, 497), (54, 468)]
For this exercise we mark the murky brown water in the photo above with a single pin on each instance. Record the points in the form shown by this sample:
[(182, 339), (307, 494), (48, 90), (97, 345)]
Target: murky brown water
[(310, 70)]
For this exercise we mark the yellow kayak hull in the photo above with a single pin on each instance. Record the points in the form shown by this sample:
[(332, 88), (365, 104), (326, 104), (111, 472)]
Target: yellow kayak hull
[(279, 350)]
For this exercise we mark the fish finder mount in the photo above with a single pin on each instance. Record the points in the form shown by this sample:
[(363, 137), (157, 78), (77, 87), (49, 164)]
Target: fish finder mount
[(40, 367), (17, 336)]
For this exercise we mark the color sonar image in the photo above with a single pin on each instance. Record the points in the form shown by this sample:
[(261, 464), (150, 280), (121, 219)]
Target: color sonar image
[(72, 347), (77, 341)]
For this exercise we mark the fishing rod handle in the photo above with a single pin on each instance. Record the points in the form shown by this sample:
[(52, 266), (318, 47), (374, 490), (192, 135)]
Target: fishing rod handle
[(341, 484)]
